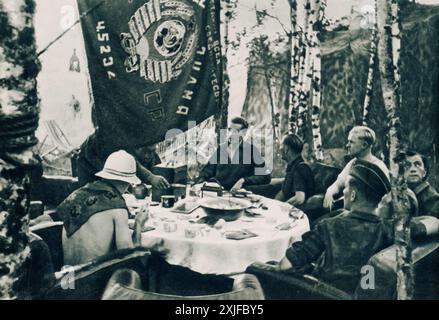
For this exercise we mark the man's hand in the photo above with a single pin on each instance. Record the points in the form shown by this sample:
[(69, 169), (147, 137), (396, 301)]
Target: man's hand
[(238, 185), (329, 199), (159, 182), (280, 196), (298, 199), (142, 216), (157, 247), (285, 264)]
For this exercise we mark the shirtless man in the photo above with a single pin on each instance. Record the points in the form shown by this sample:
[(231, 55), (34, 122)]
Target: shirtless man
[(96, 217), (360, 142)]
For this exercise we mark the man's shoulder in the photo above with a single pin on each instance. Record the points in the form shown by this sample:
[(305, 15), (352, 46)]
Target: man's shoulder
[(429, 193), (380, 163), (303, 166), (347, 221), (432, 190), (111, 214), (114, 211), (349, 216), (336, 219)]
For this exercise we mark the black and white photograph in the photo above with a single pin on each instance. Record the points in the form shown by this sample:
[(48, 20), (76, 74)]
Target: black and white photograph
[(237, 150)]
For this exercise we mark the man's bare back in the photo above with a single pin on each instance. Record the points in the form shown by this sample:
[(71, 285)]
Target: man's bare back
[(103, 233)]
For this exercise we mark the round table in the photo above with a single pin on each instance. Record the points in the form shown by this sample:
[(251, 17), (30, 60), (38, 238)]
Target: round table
[(211, 252)]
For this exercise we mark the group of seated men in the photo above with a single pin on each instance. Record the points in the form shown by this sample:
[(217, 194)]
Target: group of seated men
[(96, 217)]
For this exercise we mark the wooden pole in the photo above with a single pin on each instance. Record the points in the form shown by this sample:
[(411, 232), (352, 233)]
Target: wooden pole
[(19, 68), (388, 57)]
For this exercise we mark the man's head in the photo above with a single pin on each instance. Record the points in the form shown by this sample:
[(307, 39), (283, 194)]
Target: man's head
[(415, 168), (291, 147), (237, 127), (365, 186), (360, 141), (143, 151), (120, 167)]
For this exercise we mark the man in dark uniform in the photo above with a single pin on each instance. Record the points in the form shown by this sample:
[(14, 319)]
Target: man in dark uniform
[(423, 197), (93, 153), (236, 163), (299, 180), (298, 184), (342, 245), (416, 174)]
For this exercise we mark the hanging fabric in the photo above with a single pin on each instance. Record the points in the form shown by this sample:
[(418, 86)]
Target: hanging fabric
[(154, 66)]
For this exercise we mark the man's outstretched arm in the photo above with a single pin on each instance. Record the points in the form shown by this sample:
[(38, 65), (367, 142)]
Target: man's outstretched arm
[(121, 230), (155, 180), (302, 253)]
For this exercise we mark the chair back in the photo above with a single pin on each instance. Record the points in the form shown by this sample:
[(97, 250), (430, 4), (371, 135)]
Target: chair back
[(51, 233), (324, 176), (425, 257), (284, 285), (125, 284), (89, 280)]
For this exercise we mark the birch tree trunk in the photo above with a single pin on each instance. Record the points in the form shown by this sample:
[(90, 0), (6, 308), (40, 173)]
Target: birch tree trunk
[(316, 80), (18, 121), (299, 99), (370, 74), (388, 55), (222, 117), (272, 106), (307, 72), (299, 95), (294, 69)]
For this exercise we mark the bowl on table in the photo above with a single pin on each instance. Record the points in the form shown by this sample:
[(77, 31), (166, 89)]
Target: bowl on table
[(140, 191), (229, 209)]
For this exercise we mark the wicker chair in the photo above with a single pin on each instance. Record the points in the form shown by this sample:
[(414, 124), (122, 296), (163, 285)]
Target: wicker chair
[(89, 280), (284, 285), (126, 284), (51, 233)]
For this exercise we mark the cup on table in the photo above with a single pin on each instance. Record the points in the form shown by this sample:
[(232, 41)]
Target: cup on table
[(296, 213), (195, 191), (170, 226), (168, 201), (191, 232)]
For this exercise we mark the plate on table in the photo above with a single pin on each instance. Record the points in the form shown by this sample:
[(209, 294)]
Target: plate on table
[(239, 234), (186, 207)]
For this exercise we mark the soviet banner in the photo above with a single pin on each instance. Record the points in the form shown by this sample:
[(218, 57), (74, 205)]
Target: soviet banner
[(154, 65)]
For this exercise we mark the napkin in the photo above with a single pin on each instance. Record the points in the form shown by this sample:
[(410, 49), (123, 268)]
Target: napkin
[(286, 226)]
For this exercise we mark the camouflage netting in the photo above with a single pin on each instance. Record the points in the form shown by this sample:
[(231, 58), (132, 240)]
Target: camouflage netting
[(344, 74)]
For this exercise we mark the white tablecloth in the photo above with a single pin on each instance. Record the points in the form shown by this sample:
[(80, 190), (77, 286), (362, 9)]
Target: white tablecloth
[(212, 253)]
